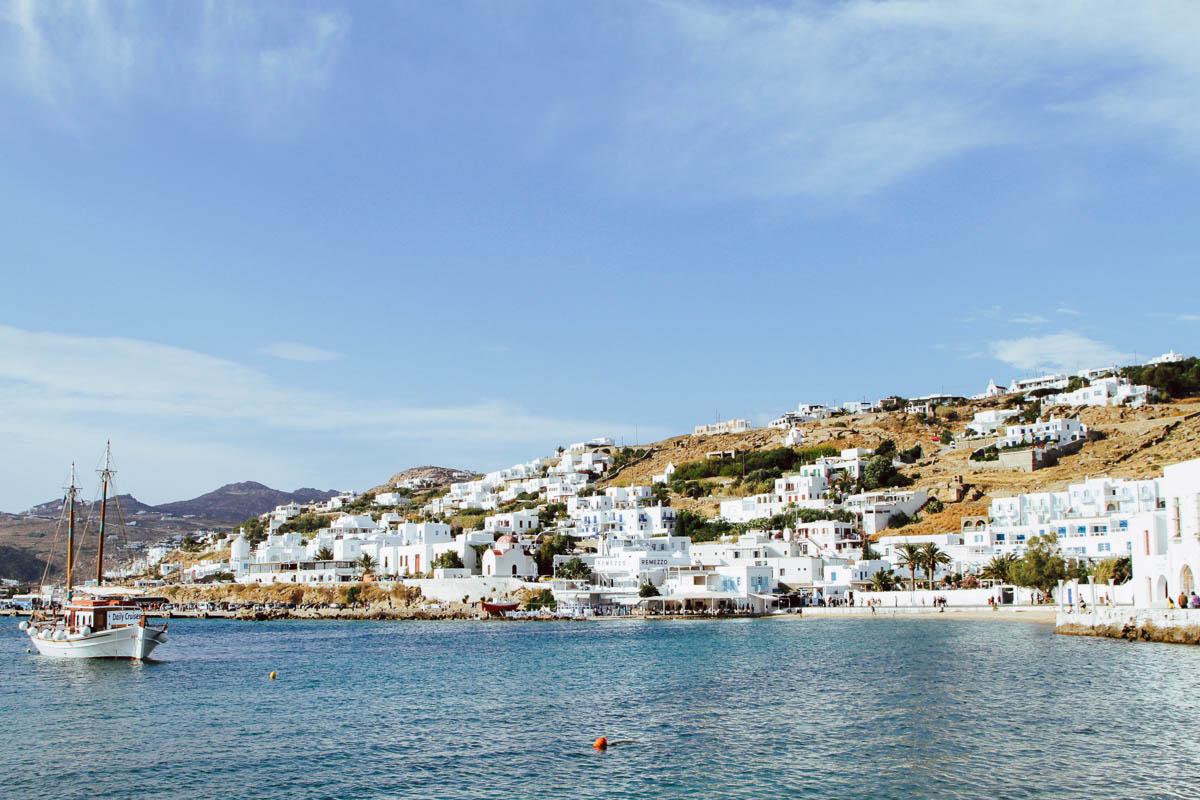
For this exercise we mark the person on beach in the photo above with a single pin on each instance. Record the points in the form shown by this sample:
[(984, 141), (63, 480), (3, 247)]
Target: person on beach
[(1195, 602), (1183, 600)]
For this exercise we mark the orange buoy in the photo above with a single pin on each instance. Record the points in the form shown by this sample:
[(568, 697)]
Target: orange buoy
[(601, 743)]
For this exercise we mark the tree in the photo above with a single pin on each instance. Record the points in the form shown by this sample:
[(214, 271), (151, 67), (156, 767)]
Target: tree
[(449, 559), (557, 545), (550, 512), (999, 568), (366, 564), (648, 590), (324, 554), (883, 581), (909, 557), (1118, 570), (898, 519), (573, 569), (880, 473), (1042, 566), (932, 557)]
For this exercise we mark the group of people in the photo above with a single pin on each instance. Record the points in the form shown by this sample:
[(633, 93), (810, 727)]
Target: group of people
[(1183, 601)]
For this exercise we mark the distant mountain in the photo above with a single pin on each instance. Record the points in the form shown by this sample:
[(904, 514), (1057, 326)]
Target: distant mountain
[(129, 505), (235, 502)]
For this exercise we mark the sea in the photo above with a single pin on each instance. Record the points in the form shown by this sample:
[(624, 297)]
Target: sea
[(731, 708)]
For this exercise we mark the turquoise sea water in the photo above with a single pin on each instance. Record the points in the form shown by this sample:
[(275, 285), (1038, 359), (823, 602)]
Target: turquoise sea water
[(712, 709)]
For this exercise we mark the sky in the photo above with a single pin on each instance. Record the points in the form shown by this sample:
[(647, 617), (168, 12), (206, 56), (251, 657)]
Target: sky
[(312, 244)]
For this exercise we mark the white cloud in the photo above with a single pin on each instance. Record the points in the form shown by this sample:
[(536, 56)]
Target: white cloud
[(843, 100), (258, 58), (1029, 319), (293, 351), (1072, 312), (50, 383), (49, 373), (1059, 352)]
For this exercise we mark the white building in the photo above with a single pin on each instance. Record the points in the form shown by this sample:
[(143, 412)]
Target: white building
[(392, 499), (1091, 519), (514, 522), (727, 426), (665, 477), (1169, 357), (1027, 385), (796, 490), (509, 558), (1110, 391), (875, 509), (988, 423), (1056, 430), (1166, 542)]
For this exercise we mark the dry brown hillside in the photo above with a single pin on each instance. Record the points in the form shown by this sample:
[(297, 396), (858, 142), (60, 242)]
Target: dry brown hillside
[(1136, 443)]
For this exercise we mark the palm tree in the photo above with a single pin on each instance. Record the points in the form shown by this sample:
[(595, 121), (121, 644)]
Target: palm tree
[(999, 568), (932, 558), (883, 581), (366, 564), (909, 555), (324, 554)]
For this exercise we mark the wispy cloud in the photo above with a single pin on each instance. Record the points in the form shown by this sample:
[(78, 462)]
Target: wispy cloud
[(981, 314), (1071, 312), (843, 100), (258, 58), (293, 351), (1029, 319), (48, 374), (1184, 317), (1058, 352), (193, 420)]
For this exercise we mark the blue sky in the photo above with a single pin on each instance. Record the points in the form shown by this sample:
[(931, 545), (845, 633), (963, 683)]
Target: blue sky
[(312, 244)]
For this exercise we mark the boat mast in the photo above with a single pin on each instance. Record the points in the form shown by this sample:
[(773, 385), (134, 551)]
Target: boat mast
[(71, 491), (105, 478)]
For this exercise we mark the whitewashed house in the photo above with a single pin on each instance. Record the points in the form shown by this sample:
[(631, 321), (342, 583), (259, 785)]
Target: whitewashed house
[(727, 426), (665, 477), (1110, 391), (988, 423), (1056, 430)]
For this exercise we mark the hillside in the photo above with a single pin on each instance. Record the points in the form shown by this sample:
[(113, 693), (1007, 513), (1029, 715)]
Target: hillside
[(21, 565), (1135, 443), (129, 505), (439, 477), (235, 502)]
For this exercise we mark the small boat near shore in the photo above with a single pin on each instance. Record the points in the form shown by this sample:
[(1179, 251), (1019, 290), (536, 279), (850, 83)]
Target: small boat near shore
[(93, 626), (499, 609)]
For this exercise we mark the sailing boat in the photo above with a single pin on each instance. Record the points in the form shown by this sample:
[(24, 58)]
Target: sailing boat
[(94, 626)]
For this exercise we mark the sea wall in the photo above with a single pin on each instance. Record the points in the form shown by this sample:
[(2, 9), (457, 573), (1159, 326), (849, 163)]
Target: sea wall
[(1176, 626), (470, 590)]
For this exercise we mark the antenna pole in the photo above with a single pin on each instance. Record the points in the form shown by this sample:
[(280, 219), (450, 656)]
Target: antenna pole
[(70, 500), (105, 478)]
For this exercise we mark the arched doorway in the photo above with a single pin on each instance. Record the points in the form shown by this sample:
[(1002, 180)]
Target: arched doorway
[(1160, 591), (1186, 582)]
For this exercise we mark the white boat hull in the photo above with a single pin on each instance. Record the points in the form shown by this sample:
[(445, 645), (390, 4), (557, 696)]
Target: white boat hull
[(133, 641)]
